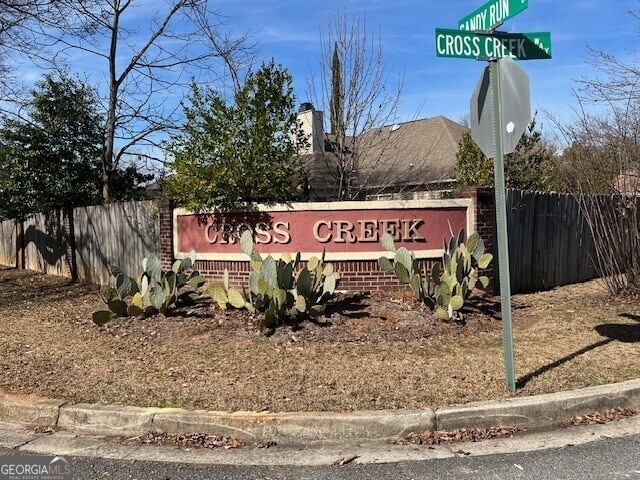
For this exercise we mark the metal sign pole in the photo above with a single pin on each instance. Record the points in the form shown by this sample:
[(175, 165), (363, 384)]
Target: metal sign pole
[(501, 220), (477, 39)]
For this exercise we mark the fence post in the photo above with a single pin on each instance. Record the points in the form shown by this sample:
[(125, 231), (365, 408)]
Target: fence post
[(70, 242), (20, 257)]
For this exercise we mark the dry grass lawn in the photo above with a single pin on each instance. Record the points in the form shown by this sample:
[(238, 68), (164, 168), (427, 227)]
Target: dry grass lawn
[(370, 352)]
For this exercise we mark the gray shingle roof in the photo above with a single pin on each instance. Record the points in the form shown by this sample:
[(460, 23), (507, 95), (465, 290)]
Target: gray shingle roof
[(409, 155)]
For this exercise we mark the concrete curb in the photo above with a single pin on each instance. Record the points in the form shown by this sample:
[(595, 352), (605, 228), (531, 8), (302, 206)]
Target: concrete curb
[(123, 421), (29, 410), (542, 411), (301, 426)]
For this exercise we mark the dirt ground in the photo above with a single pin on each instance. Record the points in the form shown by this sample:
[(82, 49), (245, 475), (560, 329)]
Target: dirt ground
[(371, 351)]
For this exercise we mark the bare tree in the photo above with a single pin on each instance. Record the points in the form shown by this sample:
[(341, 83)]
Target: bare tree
[(146, 67), (17, 19), (601, 165), (353, 85)]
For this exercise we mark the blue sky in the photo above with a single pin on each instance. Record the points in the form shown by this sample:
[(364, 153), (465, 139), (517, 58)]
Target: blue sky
[(289, 31)]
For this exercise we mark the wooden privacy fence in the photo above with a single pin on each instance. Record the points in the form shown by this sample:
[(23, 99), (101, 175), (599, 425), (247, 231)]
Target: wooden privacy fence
[(121, 234), (84, 243), (550, 243), (45, 244), (7, 242)]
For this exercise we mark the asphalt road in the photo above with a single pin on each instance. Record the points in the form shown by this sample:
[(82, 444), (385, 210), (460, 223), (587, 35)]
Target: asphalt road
[(608, 458)]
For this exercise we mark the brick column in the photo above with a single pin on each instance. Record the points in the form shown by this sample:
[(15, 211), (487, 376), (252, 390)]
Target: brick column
[(165, 207), (484, 220)]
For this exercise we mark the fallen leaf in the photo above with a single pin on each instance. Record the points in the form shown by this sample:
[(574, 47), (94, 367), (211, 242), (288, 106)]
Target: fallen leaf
[(346, 460)]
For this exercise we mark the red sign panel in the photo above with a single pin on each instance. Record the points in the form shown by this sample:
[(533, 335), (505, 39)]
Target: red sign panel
[(346, 230)]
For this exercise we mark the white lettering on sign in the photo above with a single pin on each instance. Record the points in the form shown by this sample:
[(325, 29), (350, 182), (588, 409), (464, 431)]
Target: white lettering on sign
[(477, 22), (263, 233), (458, 45), (505, 47), (539, 43), (472, 46), (343, 231), (497, 13)]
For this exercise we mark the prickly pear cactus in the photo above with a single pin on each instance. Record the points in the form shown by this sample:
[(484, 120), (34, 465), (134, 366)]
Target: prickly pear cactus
[(155, 291), (283, 289), (451, 281), (224, 295)]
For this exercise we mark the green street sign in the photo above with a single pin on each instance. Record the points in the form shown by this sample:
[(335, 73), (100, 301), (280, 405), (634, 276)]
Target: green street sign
[(518, 46), (492, 14)]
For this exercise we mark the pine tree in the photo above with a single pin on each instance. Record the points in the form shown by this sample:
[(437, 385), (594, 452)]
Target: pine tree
[(336, 103)]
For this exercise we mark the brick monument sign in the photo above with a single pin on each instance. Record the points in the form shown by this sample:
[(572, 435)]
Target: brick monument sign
[(348, 232)]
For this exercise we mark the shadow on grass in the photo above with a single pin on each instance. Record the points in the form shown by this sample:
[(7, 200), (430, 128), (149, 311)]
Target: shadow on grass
[(18, 286), (612, 331), (621, 332), (483, 305), (522, 381), (631, 316), (351, 306)]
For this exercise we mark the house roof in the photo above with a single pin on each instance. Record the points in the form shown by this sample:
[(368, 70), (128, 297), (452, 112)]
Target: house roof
[(408, 155), (412, 153)]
